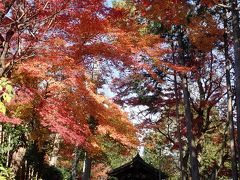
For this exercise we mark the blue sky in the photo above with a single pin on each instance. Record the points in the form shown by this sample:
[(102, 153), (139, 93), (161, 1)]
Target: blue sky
[(109, 2)]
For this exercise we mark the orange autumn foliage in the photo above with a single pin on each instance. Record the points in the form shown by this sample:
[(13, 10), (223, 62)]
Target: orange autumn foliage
[(203, 32), (55, 92)]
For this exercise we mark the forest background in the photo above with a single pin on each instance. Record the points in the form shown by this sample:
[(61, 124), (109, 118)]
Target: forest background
[(174, 63)]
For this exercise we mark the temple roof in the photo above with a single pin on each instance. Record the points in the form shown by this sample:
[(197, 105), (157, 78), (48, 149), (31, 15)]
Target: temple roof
[(137, 169)]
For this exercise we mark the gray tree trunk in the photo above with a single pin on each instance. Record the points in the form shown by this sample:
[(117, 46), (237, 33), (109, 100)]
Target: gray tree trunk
[(236, 41), (17, 159), (178, 120), (188, 115), (87, 168), (230, 104), (75, 163), (54, 153), (191, 142), (179, 130)]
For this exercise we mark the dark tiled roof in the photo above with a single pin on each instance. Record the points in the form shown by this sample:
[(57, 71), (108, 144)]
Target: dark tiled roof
[(137, 160)]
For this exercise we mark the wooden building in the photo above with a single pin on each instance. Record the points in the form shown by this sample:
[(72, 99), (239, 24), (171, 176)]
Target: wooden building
[(137, 169)]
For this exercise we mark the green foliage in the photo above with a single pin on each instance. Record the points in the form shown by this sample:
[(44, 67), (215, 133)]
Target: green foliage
[(157, 154), (66, 173), (115, 153), (14, 138), (7, 93), (6, 173), (3, 108), (209, 153), (156, 28)]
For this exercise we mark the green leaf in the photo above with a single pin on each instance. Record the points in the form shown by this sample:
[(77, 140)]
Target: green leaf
[(9, 88), (3, 108), (2, 169), (2, 178), (7, 97)]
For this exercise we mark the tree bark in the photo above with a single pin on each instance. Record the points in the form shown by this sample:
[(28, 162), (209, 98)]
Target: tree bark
[(191, 142), (188, 115), (17, 159), (87, 168), (8, 151), (1, 133), (75, 163), (54, 153), (179, 129), (178, 120), (229, 103), (236, 42)]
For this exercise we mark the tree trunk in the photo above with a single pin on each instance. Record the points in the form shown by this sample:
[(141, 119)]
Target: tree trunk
[(1, 133), (75, 163), (179, 130), (17, 159), (188, 115), (8, 151), (87, 168), (185, 164), (178, 120), (229, 103), (191, 142), (236, 36), (54, 153)]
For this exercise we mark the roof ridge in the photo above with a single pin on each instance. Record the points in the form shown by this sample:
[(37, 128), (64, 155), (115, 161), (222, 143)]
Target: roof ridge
[(135, 161)]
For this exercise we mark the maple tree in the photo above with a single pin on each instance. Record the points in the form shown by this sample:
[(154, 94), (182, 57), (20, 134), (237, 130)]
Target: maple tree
[(48, 67), (170, 59), (194, 36)]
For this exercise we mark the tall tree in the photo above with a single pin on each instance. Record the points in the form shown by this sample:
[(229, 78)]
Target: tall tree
[(236, 46), (199, 33), (230, 99), (51, 52)]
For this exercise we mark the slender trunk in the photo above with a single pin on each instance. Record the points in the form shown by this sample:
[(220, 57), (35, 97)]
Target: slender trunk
[(236, 35), (191, 142), (185, 164), (8, 151), (188, 116), (1, 133), (75, 163), (86, 173), (21, 172), (179, 129), (229, 104), (178, 120), (17, 159), (87, 168), (26, 173), (4, 53), (54, 153)]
